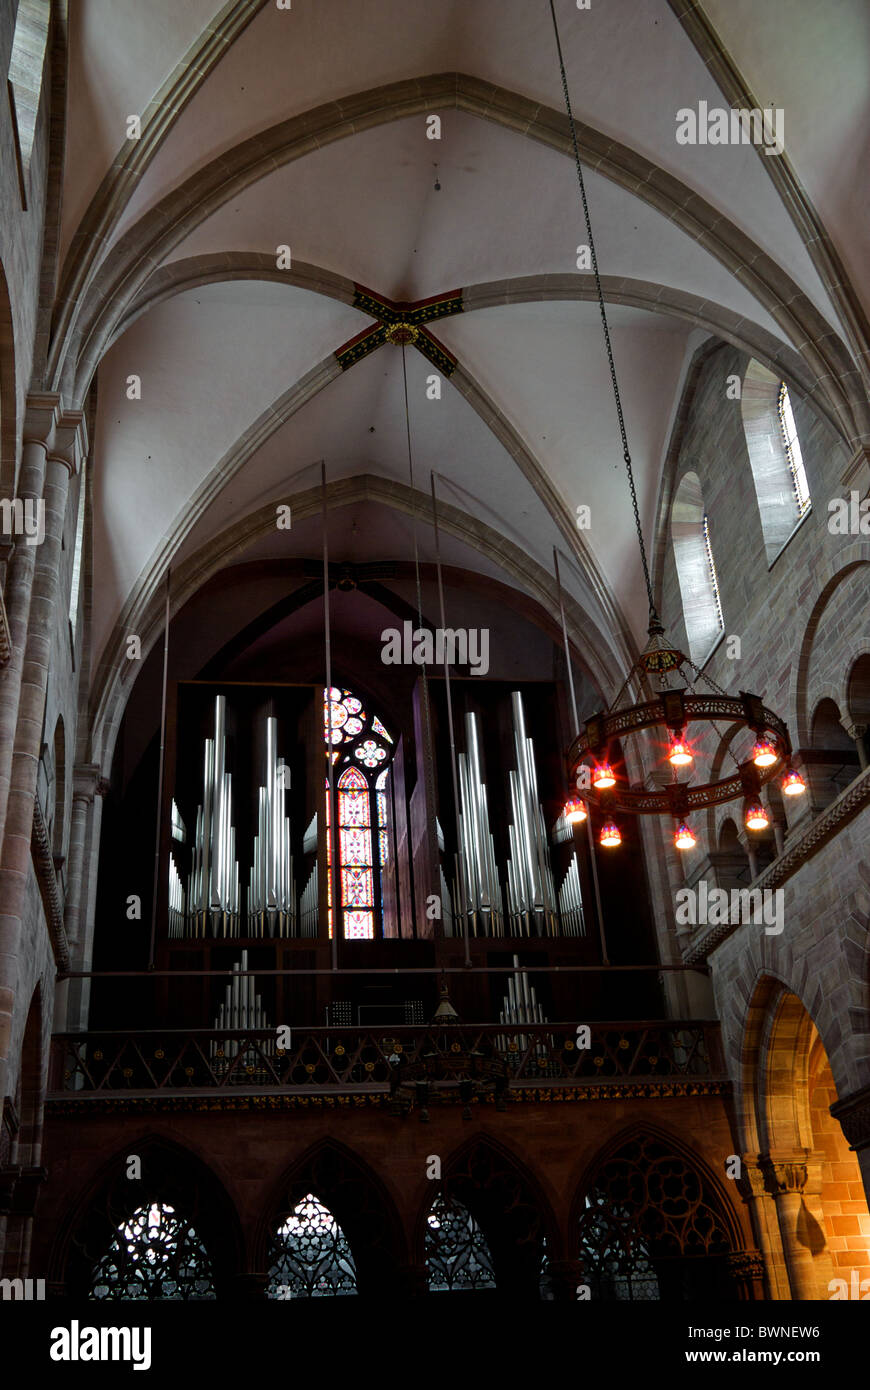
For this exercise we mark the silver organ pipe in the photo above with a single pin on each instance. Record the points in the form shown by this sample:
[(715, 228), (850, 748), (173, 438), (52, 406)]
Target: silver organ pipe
[(571, 901), (520, 1006), (176, 900), (214, 896), (531, 892), (309, 905), (485, 900), (272, 892), (242, 1010)]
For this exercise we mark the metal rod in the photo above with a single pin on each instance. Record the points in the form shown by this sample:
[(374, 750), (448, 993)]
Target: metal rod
[(567, 648), (332, 831), (159, 819), (599, 909), (385, 970), (450, 726)]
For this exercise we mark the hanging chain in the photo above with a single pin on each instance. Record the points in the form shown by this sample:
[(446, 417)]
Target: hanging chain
[(626, 454)]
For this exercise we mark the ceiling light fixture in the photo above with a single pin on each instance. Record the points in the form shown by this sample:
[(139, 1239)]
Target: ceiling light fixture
[(670, 710)]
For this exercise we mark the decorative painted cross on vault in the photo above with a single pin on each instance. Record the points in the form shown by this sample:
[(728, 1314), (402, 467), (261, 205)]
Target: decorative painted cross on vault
[(400, 323)]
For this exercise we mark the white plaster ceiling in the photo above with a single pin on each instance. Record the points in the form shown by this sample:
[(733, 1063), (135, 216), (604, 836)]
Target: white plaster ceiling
[(367, 208), (212, 360), (813, 61)]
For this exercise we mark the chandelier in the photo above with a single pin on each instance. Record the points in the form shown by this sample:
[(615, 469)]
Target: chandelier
[(678, 706), (448, 1063)]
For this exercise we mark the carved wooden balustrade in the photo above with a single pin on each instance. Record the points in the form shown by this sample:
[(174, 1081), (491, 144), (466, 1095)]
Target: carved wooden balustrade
[(543, 1061)]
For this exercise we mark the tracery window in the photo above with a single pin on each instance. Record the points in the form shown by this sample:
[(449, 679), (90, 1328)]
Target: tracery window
[(616, 1262), (650, 1220), (155, 1254), (362, 748), (311, 1257), (458, 1258)]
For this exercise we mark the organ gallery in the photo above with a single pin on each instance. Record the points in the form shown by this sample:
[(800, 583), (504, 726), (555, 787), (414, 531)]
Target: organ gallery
[(434, 671)]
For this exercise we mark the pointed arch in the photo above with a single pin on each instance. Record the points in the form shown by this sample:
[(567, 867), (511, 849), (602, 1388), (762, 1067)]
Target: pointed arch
[(310, 1256), (508, 1204), (670, 1207), (357, 1199), (171, 1176)]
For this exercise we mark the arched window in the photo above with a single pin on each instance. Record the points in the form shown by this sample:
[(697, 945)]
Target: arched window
[(833, 761), (774, 456), (696, 570), (26, 65), (457, 1254), (310, 1255), (156, 1254), (651, 1228), (362, 749), (858, 706)]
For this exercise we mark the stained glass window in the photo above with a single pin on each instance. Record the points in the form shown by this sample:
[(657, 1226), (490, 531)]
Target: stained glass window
[(310, 1255), (156, 1254), (457, 1254), (362, 809)]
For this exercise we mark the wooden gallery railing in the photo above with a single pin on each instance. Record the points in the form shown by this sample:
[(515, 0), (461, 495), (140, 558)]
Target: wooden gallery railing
[(537, 1060)]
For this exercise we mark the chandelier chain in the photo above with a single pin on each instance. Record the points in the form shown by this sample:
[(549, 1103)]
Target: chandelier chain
[(626, 453)]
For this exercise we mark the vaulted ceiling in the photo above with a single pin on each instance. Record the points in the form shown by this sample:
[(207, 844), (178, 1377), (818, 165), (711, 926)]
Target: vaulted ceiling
[(306, 127)]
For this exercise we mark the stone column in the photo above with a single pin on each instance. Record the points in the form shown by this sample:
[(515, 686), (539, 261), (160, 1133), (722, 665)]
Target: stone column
[(38, 424), (762, 1214), (786, 1179), (87, 784), (63, 443), (746, 1268)]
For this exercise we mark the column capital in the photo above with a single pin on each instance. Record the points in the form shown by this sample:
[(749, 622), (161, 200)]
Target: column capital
[(855, 731), (783, 1175), (745, 1264), (88, 782), (750, 1184), (853, 1113), (63, 434)]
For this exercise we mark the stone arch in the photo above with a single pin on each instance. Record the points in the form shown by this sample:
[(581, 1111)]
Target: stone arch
[(144, 612), (674, 1209), (856, 703), (732, 861), (833, 758), (837, 571), (359, 1201), (171, 1174), (509, 1206), (79, 343), (787, 1092)]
